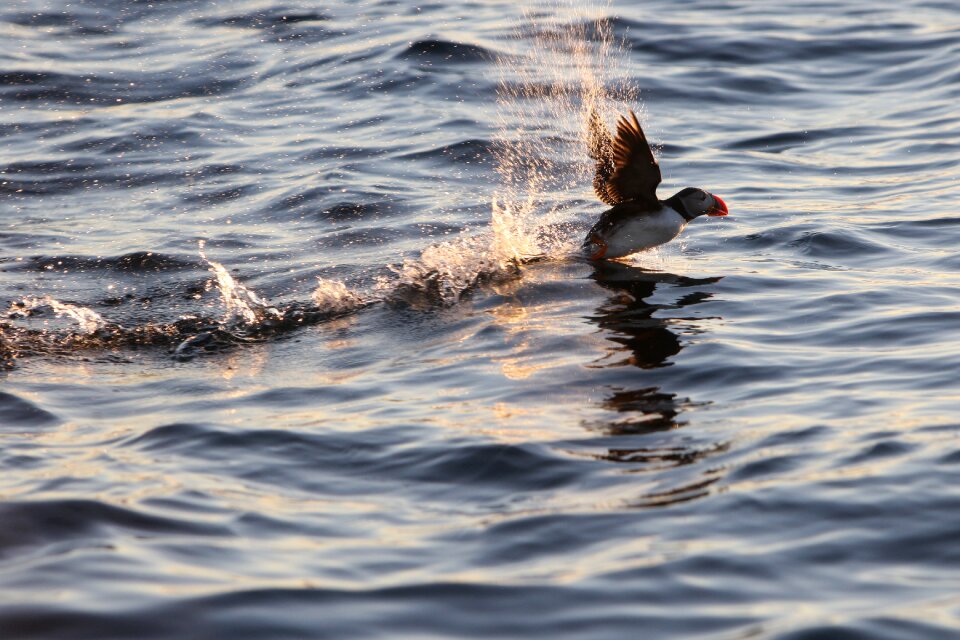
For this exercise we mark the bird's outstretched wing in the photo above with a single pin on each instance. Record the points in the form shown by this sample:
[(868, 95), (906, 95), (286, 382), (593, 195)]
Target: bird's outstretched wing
[(600, 148), (626, 169)]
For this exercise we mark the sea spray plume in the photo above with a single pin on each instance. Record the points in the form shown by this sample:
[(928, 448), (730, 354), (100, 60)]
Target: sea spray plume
[(512, 241), (569, 67)]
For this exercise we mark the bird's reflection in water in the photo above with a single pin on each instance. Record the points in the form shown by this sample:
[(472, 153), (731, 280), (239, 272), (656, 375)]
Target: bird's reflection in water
[(645, 335), (648, 342), (643, 339)]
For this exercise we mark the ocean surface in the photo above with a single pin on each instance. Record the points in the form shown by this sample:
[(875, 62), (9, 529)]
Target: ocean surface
[(296, 341)]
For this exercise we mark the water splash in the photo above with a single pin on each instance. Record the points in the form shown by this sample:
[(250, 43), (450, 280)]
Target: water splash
[(243, 306), (572, 66), (513, 240), (334, 296), (443, 272), (88, 320), (20, 336)]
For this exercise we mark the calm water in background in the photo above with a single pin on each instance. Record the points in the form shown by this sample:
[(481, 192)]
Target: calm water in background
[(750, 433)]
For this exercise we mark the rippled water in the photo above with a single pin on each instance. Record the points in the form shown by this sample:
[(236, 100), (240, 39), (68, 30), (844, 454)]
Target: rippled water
[(751, 432)]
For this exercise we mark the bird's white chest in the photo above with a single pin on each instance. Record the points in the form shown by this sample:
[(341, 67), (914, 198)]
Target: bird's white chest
[(644, 232)]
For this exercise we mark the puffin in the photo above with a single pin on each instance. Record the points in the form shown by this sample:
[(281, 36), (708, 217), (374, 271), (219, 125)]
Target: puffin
[(626, 178)]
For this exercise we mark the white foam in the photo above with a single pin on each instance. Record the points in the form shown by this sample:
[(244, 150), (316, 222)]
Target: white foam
[(243, 306), (334, 296), (88, 320)]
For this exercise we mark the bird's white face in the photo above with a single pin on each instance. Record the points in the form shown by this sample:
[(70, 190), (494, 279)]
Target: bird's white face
[(698, 203)]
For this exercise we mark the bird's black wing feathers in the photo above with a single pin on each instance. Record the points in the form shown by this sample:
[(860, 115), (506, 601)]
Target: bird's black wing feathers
[(626, 169), (601, 150)]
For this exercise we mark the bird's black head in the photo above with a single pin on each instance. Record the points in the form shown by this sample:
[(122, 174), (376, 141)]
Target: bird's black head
[(692, 202)]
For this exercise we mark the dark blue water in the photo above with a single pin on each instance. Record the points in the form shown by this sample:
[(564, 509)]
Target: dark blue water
[(750, 433)]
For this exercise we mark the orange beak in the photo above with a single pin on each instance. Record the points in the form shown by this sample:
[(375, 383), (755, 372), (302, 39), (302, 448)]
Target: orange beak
[(720, 209)]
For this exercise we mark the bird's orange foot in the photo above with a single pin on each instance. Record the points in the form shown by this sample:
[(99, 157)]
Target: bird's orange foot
[(601, 248)]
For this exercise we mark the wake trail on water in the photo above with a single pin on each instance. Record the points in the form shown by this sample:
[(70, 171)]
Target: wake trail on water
[(568, 66), (46, 326)]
